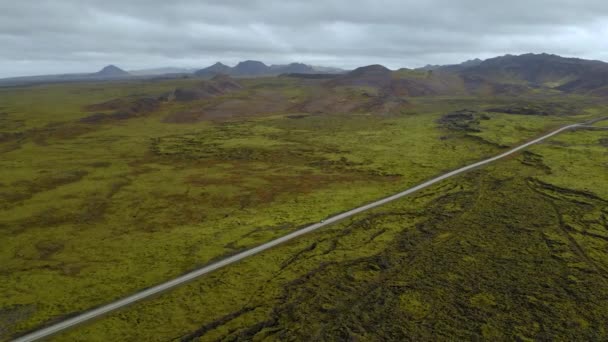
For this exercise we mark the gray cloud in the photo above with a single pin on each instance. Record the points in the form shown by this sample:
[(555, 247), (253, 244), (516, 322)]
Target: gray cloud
[(44, 36)]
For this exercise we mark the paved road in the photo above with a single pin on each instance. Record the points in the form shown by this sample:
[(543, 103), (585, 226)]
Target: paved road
[(89, 315)]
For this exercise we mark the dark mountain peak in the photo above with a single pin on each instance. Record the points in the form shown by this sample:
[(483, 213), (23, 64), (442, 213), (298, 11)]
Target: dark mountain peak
[(542, 61), (217, 68), (251, 63), (372, 75), (429, 67), (535, 58), (536, 69), (250, 68), (371, 69), (452, 67), (471, 62), (294, 68), (254, 68), (296, 64), (112, 70)]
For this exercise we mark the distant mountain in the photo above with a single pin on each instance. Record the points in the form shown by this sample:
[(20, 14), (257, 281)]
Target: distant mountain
[(408, 82), (471, 62), (451, 67), (255, 68), (513, 73), (372, 76), (110, 71), (216, 69), (429, 67), (161, 71), (251, 68), (537, 69), (293, 68), (328, 70), (504, 75)]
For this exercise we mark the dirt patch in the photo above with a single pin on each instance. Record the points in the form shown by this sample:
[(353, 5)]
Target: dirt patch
[(225, 83), (384, 104), (195, 335), (57, 130), (298, 116), (10, 136), (11, 315), (330, 102), (23, 190), (258, 103), (123, 110), (184, 117), (48, 248), (217, 86), (100, 164), (265, 104), (186, 95), (106, 106), (535, 160)]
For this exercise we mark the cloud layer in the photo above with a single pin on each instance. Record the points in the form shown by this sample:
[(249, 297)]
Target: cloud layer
[(40, 37)]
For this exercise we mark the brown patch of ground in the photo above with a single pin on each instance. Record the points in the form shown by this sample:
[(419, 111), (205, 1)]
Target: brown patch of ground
[(123, 110), (10, 315), (48, 248), (10, 136), (217, 86), (276, 185), (263, 102), (257, 103), (113, 104), (329, 101), (22, 190)]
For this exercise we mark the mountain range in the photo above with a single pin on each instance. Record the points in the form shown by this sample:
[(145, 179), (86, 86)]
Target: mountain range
[(247, 68), (257, 68), (505, 75), (161, 71), (110, 72)]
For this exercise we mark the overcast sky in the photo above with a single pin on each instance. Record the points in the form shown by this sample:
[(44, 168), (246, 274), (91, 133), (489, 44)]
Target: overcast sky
[(59, 36)]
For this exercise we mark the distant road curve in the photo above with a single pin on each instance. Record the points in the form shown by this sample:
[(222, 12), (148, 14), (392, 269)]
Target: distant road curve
[(102, 310)]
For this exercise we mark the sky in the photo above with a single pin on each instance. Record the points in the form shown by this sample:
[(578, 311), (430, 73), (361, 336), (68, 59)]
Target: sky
[(64, 36)]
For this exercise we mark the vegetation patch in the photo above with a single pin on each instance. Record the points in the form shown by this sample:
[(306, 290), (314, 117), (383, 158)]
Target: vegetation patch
[(542, 109), (462, 120), (103, 210)]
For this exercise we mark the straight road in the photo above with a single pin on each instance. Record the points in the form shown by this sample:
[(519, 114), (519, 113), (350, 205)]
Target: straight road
[(102, 310)]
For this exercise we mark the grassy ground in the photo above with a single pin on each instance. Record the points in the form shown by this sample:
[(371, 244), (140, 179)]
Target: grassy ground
[(496, 254), (100, 210)]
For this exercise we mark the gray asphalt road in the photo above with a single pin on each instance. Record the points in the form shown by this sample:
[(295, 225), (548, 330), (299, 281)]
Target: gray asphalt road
[(102, 310)]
